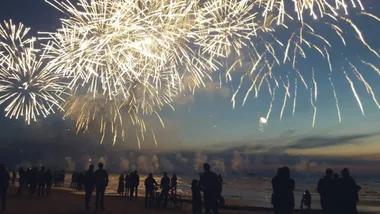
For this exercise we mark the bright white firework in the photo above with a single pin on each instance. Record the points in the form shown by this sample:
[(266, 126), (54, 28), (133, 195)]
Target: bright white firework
[(27, 88)]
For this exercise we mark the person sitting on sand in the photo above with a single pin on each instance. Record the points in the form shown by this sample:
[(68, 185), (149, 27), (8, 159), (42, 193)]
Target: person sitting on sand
[(89, 185), (4, 184), (120, 188), (149, 183), (196, 198), (209, 184), (306, 200), (101, 182)]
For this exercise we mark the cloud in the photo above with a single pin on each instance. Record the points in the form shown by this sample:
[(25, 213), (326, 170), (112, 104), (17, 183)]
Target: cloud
[(320, 142), (199, 159), (211, 90)]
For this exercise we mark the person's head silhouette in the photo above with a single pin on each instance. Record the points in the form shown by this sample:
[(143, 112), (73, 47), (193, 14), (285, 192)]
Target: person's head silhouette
[(336, 176), (345, 173), (165, 174), (136, 172), (150, 175), (286, 172), (194, 182), (100, 165), (91, 168), (329, 173), (206, 167), (174, 175)]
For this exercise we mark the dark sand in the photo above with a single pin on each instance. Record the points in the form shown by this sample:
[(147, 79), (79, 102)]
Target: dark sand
[(64, 202)]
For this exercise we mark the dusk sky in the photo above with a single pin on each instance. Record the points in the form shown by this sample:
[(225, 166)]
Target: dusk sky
[(207, 121)]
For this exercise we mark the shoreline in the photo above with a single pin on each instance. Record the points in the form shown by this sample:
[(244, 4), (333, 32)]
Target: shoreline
[(229, 206)]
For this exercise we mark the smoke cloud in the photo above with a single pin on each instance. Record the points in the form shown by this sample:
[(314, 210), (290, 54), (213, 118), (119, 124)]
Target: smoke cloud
[(70, 164), (199, 160)]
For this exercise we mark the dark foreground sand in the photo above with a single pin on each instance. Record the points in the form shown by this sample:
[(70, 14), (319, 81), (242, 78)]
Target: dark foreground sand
[(65, 202)]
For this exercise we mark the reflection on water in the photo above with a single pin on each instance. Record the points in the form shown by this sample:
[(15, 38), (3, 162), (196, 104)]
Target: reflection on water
[(255, 191)]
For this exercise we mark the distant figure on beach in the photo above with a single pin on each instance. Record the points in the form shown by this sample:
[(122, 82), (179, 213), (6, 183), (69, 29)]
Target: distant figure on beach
[(137, 183), (165, 187), (41, 182), (33, 180), (196, 198), (348, 192), (149, 183), (73, 180), (306, 200), (101, 182), (283, 196), (132, 184), (126, 184), (326, 190), (14, 174), (80, 178), (48, 181), (220, 183), (21, 180), (120, 187), (209, 184), (174, 183), (89, 185), (4, 184)]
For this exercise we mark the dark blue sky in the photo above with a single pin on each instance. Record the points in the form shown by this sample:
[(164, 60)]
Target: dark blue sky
[(207, 118)]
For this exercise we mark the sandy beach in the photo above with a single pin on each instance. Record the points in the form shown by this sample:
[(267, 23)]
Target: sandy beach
[(65, 202)]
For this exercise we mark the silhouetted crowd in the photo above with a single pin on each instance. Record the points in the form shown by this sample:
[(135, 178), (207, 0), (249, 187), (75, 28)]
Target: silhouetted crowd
[(37, 181), (338, 194)]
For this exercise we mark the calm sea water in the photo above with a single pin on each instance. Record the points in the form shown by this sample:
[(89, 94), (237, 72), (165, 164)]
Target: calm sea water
[(256, 191)]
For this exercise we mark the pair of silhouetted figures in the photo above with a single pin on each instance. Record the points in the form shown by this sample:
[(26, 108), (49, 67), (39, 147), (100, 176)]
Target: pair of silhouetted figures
[(211, 186), (95, 180), (338, 195), (166, 185)]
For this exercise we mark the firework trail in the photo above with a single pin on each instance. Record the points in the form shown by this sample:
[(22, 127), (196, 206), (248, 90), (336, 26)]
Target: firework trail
[(336, 100), (27, 88)]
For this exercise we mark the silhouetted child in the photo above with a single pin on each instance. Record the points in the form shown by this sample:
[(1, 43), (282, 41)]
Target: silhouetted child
[(196, 197), (120, 188), (306, 200)]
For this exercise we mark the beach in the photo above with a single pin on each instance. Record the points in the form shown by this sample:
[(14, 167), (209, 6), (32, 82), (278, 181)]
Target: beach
[(63, 201)]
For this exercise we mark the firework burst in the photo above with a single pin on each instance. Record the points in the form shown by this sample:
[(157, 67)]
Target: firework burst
[(27, 88)]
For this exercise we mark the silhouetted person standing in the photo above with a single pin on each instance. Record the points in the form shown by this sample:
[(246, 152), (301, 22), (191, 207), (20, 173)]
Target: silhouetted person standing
[(348, 192), (126, 184), (149, 190), (336, 199), (132, 184), (174, 183), (137, 183), (326, 189), (196, 198), (4, 184), (209, 184), (41, 182), (14, 174), (21, 180), (33, 180), (48, 181), (101, 182), (283, 196), (120, 187), (89, 185), (165, 187)]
